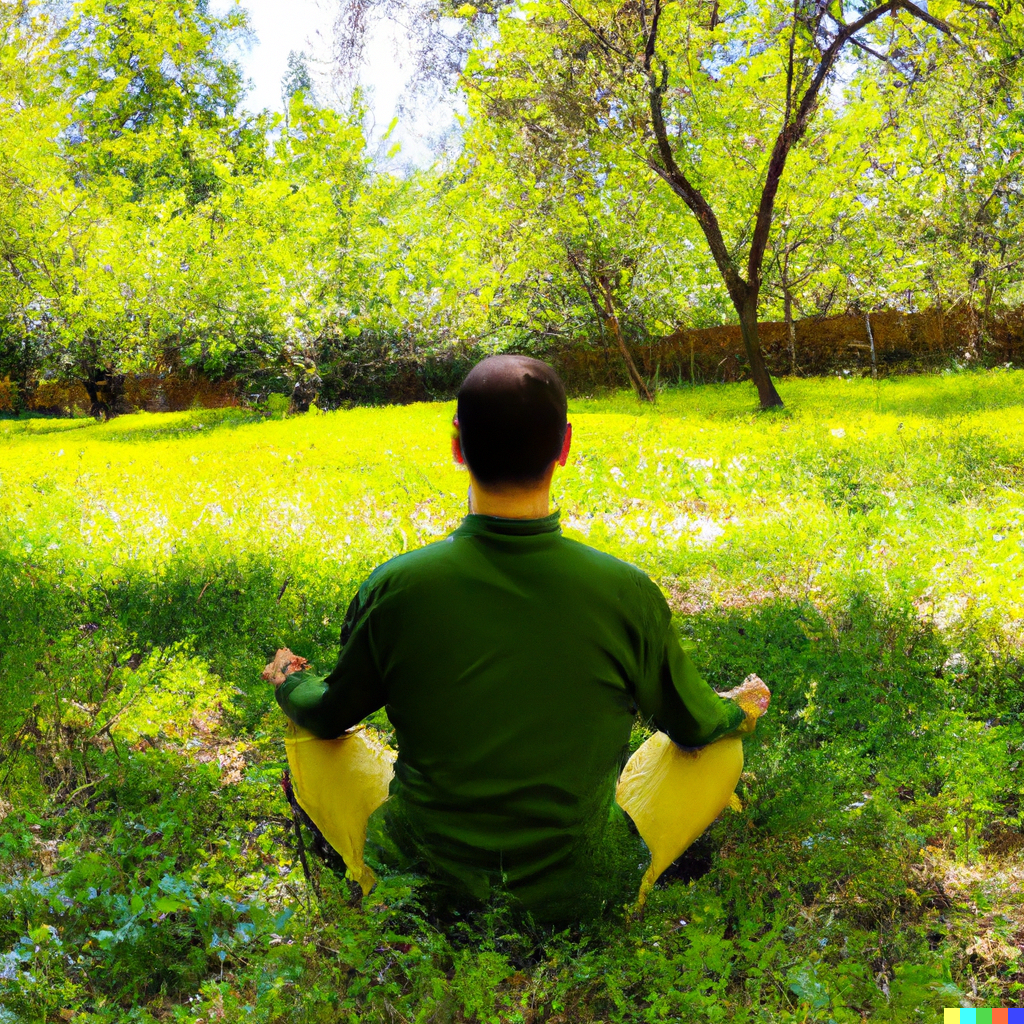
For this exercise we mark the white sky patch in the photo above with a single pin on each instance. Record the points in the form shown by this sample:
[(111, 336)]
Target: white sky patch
[(281, 26)]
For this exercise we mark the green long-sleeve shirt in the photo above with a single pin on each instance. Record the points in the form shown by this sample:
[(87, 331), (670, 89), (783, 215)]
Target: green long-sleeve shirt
[(511, 662)]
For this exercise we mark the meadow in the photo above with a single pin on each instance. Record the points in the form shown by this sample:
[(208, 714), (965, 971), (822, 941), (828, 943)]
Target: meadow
[(862, 551)]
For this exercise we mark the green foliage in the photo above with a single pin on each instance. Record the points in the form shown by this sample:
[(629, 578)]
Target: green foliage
[(152, 221), (860, 552)]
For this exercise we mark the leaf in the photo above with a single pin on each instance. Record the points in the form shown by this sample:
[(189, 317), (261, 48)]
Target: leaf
[(168, 905), (804, 984)]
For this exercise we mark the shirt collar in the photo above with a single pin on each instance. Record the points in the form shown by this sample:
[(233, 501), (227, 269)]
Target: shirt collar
[(476, 525)]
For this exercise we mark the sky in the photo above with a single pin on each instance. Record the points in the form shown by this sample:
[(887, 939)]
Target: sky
[(284, 25)]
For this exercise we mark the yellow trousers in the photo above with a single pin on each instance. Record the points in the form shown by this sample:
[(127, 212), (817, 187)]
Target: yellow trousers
[(671, 795)]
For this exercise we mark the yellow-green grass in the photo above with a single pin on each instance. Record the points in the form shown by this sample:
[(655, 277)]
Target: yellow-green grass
[(861, 550), (909, 483)]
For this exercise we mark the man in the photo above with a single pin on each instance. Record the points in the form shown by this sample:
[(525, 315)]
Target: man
[(511, 662)]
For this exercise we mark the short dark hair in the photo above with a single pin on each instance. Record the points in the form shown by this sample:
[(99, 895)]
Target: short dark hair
[(512, 418)]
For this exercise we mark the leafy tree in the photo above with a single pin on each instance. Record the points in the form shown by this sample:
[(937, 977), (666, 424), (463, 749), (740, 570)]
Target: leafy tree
[(297, 78), (712, 98), (949, 190), (913, 201), (147, 81)]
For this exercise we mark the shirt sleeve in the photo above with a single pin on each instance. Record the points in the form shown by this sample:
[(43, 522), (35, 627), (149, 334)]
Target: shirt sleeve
[(672, 693), (327, 706)]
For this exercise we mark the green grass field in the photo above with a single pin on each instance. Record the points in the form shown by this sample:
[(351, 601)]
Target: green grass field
[(862, 551)]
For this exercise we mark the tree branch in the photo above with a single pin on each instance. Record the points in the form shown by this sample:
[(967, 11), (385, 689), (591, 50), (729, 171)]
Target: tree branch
[(867, 49), (793, 131), (979, 5), (671, 173), (919, 12), (594, 31)]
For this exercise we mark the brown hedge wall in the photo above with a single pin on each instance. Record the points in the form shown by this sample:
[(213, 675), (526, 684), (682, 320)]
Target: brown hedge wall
[(170, 393), (8, 395), (902, 341), (908, 341)]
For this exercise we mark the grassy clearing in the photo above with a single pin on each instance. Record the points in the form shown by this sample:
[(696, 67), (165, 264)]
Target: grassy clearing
[(861, 551)]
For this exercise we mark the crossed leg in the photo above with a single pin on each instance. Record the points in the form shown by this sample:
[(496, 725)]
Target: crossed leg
[(339, 784), (672, 795)]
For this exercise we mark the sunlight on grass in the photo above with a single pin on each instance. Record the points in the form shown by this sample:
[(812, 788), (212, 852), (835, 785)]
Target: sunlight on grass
[(861, 550), (870, 484)]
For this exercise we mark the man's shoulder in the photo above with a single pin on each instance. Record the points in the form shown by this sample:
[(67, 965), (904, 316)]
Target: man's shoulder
[(583, 562), (604, 566), (412, 563), (601, 561)]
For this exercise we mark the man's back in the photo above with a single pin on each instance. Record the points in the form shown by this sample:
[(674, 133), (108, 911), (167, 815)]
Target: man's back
[(511, 661)]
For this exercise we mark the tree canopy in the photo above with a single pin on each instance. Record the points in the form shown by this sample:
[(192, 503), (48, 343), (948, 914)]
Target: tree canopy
[(623, 169)]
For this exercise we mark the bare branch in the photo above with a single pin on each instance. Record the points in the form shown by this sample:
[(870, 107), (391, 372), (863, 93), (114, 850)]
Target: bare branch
[(651, 38), (930, 19), (789, 66), (793, 131), (672, 174), (979, 5), (699, 207), (867, 49), (596, 32)]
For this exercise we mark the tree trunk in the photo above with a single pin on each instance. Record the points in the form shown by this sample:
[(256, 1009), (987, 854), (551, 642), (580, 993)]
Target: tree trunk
[(752, 343), (788, 304), (306, 389), (615, 329), (104, 389), (99, 408), (871, 342), (642, 391)]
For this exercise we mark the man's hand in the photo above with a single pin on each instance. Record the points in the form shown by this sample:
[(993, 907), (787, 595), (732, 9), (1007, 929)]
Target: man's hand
[(753, 696), (283, 665)]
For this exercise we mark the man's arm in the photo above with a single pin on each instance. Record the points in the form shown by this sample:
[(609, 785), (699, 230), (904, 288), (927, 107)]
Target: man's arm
[(680, 702), (354, 689), (673, 695)]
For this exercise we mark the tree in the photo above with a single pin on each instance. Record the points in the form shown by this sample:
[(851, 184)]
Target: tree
[(949, 190), (297, 78), (917, 200), (712, 98), (142, 146)]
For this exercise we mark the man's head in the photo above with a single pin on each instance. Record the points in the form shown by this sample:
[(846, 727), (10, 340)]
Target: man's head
[(512, 422)]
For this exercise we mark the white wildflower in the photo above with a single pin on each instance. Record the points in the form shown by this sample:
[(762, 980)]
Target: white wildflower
[(706, 531)]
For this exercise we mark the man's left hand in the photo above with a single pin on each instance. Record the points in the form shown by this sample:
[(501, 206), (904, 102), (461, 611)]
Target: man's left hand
[(283, 665)]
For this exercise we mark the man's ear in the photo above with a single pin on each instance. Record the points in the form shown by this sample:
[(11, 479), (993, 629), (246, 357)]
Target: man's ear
[(566, 445), (457, 449)]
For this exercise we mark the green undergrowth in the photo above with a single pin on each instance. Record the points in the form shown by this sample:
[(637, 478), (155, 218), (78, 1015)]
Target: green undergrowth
[(861, 551)]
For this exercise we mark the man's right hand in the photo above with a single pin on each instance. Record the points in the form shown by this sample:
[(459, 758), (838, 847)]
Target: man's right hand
[(283, 665)]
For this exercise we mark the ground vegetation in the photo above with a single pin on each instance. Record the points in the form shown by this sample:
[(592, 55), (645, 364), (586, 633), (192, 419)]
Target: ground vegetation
[(860, 550)]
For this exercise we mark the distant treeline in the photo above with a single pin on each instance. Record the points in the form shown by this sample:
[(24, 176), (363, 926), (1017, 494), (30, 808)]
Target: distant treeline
[(372, 373)]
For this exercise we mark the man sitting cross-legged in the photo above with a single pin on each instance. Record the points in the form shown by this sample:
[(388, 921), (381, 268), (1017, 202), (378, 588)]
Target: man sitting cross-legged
[(511, 662)]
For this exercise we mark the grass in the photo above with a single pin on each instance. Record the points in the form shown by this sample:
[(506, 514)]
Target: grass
[(861, 551)]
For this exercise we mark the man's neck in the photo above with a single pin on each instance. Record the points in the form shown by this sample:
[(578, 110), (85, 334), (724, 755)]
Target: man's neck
[(514, 503)]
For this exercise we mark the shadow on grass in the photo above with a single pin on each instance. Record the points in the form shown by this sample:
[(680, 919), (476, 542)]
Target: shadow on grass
[(871, 750), (135, 428), (861, 671)]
